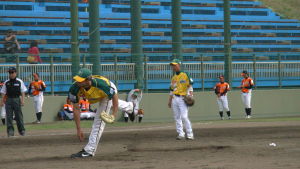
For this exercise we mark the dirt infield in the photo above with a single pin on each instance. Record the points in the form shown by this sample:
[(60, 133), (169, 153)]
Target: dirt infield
[(216, 146)]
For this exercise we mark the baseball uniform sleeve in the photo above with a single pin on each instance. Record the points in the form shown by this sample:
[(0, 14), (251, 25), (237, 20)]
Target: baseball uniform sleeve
[(73, 93), (23, 87), (3, 89)]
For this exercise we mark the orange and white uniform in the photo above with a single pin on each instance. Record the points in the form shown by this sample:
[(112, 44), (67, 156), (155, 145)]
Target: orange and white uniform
[(37, 88), (68, 110), (246, 89), (85, 109), (221, 90)]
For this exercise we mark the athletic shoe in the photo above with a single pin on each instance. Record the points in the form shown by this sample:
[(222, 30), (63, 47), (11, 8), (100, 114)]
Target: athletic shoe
[(190, 138), (229, 117), (222, 118), (81, 154), (36, 122), (22, 133), (10, 134), (180, 138)]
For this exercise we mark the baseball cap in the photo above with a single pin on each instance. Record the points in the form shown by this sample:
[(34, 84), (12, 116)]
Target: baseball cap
[(135, 93), (221, 76), (12, 69), (175, 62), (244, 72), (82, 75)]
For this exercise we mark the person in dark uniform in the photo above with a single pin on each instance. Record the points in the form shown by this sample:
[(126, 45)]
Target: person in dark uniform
[(14, 90)]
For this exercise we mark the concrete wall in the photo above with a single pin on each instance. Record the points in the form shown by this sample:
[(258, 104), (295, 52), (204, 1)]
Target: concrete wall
[(265, 103)]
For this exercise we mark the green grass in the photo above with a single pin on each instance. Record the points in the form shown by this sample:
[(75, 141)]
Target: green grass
[(61, 125), (285, 8)]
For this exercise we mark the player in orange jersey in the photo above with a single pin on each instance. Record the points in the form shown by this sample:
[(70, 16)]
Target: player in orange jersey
[(37, 88), (221, 90), (86, 112), (246, 88)]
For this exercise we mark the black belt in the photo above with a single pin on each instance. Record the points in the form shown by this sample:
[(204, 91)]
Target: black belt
[(178, 95)]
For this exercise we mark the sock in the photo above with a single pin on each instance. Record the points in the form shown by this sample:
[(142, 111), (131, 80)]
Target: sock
[(247, 113), (140, 119), (3, 121), (39, 116), (228, 113), (221, 114), (126, 119)]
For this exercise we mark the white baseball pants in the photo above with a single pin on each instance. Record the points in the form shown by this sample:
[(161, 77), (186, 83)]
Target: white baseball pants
[(180, 110), (246, 98), (98, 127), (223, 103), (38, 101), (126, 107), (3, 112), (87, 115)]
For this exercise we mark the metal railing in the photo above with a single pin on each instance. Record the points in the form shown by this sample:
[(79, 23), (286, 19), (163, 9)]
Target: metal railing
[(59, 76)]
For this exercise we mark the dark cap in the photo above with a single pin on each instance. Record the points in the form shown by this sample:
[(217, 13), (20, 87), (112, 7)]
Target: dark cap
[(12, 69), (221, 76), (9, 31), (245, 72)]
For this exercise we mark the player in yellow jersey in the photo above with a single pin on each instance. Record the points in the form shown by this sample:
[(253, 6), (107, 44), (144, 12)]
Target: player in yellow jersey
[(181, 85), (96, 89)]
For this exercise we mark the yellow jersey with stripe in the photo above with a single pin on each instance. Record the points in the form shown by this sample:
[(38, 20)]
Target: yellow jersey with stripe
[(101, 88), (180, 83)]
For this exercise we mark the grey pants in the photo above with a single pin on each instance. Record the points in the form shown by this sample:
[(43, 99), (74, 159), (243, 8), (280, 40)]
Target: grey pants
[(13, 107)]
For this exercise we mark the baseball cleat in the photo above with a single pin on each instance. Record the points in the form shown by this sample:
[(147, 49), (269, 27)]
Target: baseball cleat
[(36, 122), (22, 133), (81, 154), (190, 138), (180, 138)]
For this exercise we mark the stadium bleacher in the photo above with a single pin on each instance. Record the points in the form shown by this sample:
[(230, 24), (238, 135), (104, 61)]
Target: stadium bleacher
[(255, 28)]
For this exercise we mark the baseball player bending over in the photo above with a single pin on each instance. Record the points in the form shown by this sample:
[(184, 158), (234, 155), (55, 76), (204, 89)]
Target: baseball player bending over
[(134, 96), (97, 89), (37, 88), (246, 88), (221, 90), (180, 85)]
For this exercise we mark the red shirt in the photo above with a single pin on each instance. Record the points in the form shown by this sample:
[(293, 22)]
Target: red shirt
[(34, 51)]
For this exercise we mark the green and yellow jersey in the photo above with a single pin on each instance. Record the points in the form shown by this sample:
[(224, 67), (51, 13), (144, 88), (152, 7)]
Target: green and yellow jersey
[(101, 88), (180, 83)]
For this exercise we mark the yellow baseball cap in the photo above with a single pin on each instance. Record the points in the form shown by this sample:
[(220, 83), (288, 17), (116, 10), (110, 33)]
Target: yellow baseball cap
[(175, 62), (82, 75)]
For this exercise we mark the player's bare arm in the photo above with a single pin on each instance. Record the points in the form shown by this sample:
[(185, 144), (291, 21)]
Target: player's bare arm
[(2, 100), (115, 103), (76, 112), (170, 101)]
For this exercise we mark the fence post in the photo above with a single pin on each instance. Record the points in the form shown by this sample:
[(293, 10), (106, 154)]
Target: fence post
[(84, 61), (18, 64), (52, 75), (254, 70), (202, 73), (279, 71), (116, 69), (145, 73)]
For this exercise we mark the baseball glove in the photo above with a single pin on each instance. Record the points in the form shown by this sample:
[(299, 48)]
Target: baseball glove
[(107, 118), (141, 111), (189, 101)]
